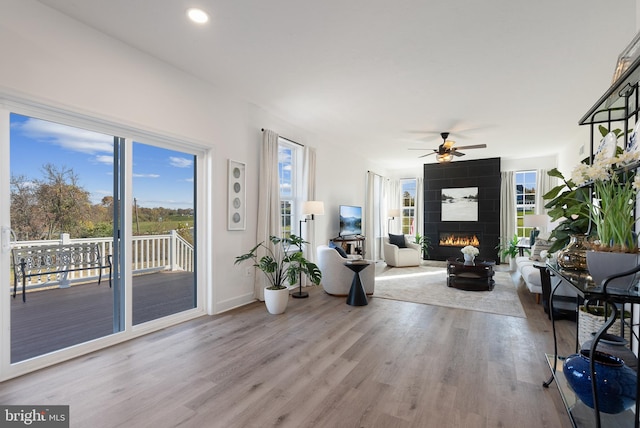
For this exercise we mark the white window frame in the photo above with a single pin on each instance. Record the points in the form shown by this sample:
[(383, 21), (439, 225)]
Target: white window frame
[(295, 196), (522, 231), (405, 209)]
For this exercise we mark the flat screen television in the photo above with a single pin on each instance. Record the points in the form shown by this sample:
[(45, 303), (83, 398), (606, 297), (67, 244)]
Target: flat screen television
[(350, 220)]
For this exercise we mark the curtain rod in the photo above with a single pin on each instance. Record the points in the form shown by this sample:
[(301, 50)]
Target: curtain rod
[(284, 138)]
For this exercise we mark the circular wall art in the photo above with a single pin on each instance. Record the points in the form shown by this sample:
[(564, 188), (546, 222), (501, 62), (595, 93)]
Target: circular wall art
[(236, 196)]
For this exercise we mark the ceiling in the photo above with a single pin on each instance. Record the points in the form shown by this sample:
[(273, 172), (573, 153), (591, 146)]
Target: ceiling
[(384, 77)]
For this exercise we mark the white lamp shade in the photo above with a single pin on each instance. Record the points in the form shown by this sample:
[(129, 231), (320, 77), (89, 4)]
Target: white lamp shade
[(541, 221), (313, 208), (394, 213)]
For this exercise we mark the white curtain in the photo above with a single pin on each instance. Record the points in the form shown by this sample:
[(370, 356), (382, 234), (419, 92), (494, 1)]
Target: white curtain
[(507, 206), (309, 194), (544, 184), (372, 217), (418, 225), (268, 200)]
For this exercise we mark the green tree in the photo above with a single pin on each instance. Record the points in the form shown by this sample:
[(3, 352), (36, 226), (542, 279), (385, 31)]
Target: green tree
[(64, 204)]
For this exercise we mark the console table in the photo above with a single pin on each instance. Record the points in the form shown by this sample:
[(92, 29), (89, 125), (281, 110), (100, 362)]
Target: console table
[(353, 244), (581, 415)]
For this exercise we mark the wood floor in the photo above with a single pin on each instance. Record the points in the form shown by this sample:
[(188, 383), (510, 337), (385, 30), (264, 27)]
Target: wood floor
[(321, 364)]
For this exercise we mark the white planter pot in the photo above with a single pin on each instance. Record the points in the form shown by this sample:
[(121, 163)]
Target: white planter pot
[(602, 264), (512, 263), (276, 300)]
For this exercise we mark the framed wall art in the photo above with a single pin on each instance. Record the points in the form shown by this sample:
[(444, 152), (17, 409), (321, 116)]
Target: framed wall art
[(460, 204), (236, 196)]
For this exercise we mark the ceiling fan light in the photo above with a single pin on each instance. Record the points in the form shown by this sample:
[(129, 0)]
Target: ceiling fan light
[(443, 158)]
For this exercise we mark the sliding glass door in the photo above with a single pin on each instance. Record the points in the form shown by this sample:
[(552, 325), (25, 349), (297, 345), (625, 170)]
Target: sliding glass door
[(62, 216), (91, 266), (163, 244)]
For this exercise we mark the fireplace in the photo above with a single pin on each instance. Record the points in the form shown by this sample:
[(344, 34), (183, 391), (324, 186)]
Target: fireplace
[(458, 239), (447, 237)]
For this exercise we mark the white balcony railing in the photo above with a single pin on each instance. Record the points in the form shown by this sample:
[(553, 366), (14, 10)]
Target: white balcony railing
[(150, 253)]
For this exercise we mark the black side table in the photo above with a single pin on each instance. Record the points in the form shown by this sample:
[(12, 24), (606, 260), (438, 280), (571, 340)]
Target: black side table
[(357, 296)]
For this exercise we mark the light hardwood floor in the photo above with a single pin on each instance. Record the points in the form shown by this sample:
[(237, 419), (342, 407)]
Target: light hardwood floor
[(322, 364)]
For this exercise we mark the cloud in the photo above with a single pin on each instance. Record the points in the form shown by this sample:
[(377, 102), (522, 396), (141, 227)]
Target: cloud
[(146, 175), (105, 159), (180, 162), (67, 137)]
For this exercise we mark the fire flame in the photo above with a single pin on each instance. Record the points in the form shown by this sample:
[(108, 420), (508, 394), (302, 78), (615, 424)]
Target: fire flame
[(459, 241)]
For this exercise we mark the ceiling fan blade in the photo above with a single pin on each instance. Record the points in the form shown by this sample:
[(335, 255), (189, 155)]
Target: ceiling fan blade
[(475, 146), (457, 153), (448, 144), (411, 148), (432, 153)]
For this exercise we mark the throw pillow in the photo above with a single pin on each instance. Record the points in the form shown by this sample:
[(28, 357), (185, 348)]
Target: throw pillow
[(342, 252), (538, 247), (397, 240), (339, 249)]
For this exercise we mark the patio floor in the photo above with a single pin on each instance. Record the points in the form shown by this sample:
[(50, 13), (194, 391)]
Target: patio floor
[(61, 317)]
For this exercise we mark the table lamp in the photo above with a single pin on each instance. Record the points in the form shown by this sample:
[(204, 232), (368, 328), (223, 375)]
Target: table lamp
[(538, 222)]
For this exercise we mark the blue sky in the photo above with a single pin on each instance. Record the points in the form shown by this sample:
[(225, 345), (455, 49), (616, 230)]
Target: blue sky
[(161, 177)]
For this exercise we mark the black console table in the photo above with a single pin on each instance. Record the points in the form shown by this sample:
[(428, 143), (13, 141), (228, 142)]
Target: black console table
[(352, 244), (581, 415)]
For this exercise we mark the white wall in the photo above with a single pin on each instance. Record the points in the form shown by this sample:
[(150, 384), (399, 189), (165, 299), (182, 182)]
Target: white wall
[(53, 60)]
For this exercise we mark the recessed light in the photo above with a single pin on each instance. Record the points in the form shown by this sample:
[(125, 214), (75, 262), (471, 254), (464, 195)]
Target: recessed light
[(198, 16)]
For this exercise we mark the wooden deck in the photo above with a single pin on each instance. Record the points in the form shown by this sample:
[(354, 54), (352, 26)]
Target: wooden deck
[(61, 317)]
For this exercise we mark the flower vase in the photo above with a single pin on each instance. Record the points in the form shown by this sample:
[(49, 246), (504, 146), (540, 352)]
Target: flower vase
[(615, 381), (574, 255), (468, 259), (602, 264)]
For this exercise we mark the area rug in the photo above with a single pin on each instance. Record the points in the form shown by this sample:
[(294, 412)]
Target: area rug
[(428, 285)]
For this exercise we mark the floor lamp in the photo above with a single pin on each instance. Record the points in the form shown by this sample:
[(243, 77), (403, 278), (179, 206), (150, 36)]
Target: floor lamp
[(392, 214), (311, 208)]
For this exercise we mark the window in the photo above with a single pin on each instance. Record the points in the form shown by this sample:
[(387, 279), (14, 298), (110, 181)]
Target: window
[(289, 164), (525, 199), (408, 187)]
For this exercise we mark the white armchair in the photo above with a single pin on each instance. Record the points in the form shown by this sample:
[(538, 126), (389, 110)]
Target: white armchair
[(401, 257), (336, 277)]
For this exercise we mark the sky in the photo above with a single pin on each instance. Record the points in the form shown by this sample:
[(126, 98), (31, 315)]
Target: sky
[(161, 177)]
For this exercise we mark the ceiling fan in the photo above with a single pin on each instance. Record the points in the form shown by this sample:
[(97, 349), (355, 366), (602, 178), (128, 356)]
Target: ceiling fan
[(446, 151)]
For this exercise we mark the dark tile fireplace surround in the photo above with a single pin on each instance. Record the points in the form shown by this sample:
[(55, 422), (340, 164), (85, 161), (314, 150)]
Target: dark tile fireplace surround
[(448, 237)]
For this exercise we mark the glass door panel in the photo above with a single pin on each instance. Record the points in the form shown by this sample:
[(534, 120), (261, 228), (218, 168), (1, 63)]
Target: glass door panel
[(62, 229), (163, 244)]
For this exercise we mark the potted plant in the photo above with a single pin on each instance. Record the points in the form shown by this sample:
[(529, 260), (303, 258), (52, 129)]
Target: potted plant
[(571, 203), (283, 262), (612, 211), (510, 250), (470, 252), (425, 244)]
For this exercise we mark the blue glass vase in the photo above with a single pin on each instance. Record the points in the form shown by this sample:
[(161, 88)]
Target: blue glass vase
[(615, 382)]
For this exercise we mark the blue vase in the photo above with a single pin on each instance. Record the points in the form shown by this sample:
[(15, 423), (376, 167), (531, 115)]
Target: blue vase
[(616, 383)]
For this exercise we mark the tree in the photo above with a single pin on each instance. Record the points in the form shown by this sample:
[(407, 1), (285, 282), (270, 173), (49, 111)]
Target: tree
[(62, 201), (26, 217)]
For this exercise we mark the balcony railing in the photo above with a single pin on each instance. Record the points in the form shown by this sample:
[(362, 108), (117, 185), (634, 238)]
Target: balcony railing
[(150, 253)]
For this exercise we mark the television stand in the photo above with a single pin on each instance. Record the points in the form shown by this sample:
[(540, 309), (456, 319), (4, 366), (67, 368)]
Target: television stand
[(351, 244)]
